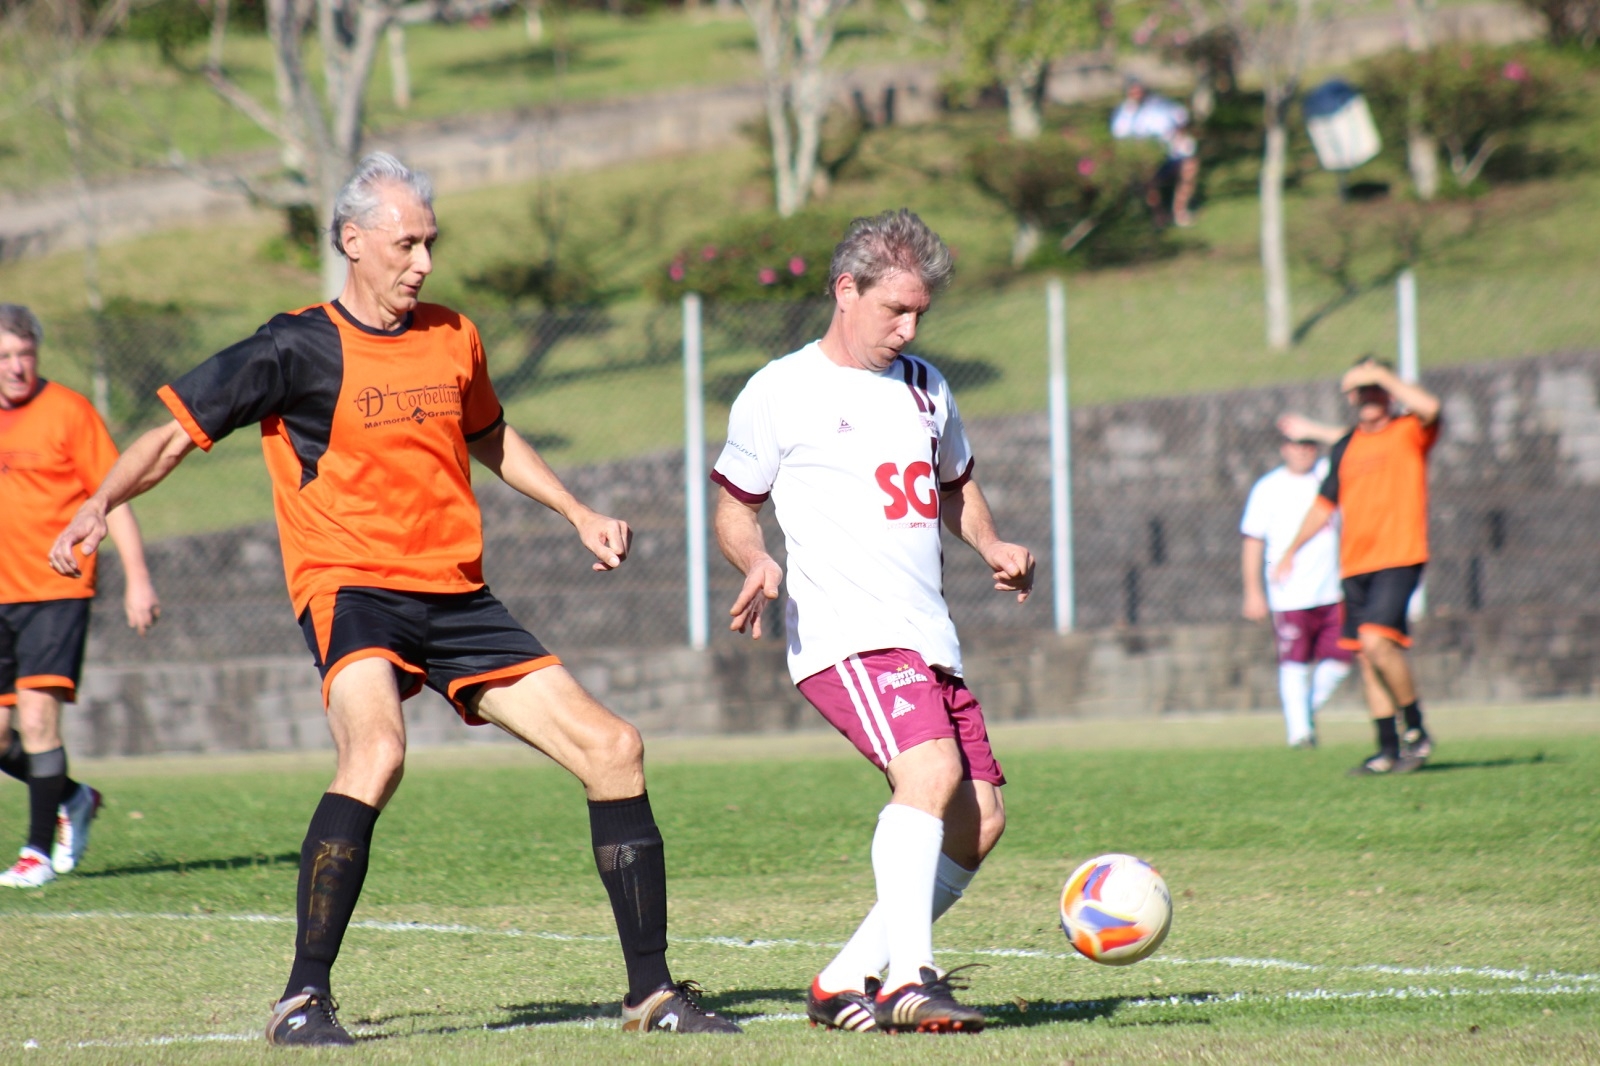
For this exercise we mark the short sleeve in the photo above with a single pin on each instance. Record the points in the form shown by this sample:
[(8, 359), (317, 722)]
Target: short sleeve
[(93, 452), (481, 412), (955, 450), (238, 386), (1330, 484), (1427, 435), (1254, 522), (748, 465)]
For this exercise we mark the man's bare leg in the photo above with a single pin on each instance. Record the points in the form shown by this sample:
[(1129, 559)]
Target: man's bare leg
[(38, 715), (550, 711), (1393, 666), (369, 732)]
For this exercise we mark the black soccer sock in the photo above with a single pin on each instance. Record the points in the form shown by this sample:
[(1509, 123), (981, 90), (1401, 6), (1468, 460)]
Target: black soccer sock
[(1413, 715), (13, 760), (1388, 738), (633, 867), (47, 786), (333, 864)]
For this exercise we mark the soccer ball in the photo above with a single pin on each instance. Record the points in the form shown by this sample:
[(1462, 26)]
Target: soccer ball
[(1116, 909)]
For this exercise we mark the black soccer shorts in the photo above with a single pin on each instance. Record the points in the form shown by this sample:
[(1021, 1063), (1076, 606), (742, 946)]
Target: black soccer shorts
[(1379, 601), (41, 646), (454, 642)]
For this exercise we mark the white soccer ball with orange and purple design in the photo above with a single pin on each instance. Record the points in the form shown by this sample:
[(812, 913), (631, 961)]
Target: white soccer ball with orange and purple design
[(1116, 909)]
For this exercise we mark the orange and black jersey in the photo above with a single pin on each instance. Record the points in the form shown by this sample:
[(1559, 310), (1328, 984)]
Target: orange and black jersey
[(365, 435), (54, 452), (1379, 483)]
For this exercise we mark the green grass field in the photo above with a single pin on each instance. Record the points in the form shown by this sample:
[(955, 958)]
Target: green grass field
[(1446, 917)]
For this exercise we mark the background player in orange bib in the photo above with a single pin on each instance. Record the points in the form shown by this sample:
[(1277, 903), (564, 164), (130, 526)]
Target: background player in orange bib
[(54, 450), (1378, 481), (370, 406)]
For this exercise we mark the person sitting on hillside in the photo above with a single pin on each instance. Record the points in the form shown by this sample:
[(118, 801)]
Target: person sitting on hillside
[(1144, 115)]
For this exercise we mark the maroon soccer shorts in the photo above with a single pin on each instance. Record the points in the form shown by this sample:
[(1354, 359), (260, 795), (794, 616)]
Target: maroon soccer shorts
[(889, 701), (1310, 635)]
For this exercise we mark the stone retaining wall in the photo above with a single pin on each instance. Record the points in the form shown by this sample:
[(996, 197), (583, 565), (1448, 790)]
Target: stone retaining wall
[(274, 703)]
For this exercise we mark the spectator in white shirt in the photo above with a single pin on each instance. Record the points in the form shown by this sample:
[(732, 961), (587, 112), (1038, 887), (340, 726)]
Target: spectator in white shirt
[(1307, 608), (1149, 116)]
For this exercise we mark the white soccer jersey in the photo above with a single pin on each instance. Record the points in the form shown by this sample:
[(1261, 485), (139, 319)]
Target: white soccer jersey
[(854, 462), (1277, 506)]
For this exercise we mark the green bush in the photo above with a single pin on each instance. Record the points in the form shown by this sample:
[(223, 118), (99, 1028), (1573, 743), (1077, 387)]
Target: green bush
[(1474, 100), (755, 259)]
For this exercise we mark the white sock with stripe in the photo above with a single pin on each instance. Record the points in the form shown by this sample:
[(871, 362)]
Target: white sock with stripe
[(1294, 687), (1325, 677), (905, 861), (867, 952)]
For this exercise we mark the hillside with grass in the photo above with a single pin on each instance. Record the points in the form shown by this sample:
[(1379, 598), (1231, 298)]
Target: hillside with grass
[(1506, 267)]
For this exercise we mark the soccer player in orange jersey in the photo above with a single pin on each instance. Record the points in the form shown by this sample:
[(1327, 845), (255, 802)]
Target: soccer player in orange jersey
[(1378, 481), (370, 406), (53, 452)]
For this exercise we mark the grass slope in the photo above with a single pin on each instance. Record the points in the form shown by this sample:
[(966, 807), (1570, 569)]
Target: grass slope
[(1502, 275), (1436, 918)]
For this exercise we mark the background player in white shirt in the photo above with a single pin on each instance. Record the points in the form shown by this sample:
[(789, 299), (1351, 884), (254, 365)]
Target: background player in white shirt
[(1306, 609), (863, 453)]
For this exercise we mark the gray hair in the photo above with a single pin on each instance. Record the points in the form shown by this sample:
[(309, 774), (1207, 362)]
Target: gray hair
[(873, 248), (18, 321), (360, 198)]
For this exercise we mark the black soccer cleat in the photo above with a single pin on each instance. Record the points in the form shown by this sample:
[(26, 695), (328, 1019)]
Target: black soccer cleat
[(674, 1008), (1385, 764), (849, 1009), (310, 1019), (928, 1007), (1416, 744)]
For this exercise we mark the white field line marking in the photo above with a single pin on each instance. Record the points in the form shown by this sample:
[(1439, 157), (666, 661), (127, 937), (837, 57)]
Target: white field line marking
[(1084, 1006), (1493, 973)]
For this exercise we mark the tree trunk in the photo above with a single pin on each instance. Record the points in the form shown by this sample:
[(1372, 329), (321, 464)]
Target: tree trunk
[(533, 20), (1022, 102), (1422, 160), (1274, 250), (1024, 242), (399, 69)]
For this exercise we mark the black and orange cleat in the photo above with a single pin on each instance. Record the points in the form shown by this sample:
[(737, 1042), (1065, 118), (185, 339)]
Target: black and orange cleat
[(310, 1019), (849, 1009)]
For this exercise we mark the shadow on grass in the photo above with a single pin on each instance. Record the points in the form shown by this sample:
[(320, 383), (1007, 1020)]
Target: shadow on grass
[(182, 866), (1020, 1016), (1540, 758), (735, 1005)]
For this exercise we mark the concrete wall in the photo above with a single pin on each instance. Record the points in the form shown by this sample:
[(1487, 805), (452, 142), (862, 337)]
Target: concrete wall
[(275, 703)]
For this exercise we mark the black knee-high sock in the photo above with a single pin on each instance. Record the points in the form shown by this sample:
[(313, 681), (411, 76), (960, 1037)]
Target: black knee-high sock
[(13, 760), (47, 787), (333, 864), (1412, 713), (1388, 737), (633, 867)]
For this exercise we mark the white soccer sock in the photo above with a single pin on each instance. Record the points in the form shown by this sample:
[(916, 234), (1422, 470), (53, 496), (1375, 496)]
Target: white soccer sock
[(1324, 679), (867, 953), (1294, 686), (905, 861)]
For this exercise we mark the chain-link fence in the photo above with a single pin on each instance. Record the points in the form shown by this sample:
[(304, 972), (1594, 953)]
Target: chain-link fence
[(1157, 484)]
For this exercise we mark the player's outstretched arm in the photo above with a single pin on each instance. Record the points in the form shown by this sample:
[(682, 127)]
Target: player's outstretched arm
[(1298, 427), (139, 598), (1321, 511), (139, 469), (738, 528), (967, 514), (514, 461)]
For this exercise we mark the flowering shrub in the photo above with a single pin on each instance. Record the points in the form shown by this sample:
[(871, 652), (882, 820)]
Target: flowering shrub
[(753, 260), (1066, 185), (1474, 100)]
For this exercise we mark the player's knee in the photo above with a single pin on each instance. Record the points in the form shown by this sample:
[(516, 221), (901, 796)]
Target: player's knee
[(622, 749), (1375, 644), (991, 828), (384, 757)]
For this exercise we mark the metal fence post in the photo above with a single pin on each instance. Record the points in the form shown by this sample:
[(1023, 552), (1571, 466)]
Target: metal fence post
[(694, 470), (1060, 457), (1406, 301), (1406, 306)]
